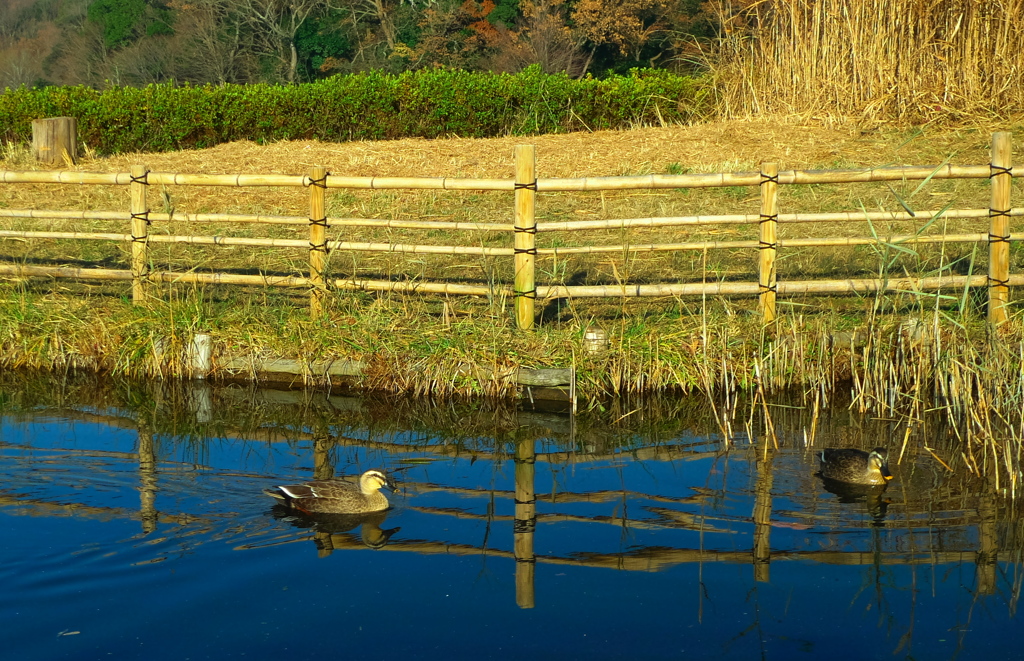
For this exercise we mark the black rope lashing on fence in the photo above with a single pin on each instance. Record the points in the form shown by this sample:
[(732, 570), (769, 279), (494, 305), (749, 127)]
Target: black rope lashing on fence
[(532, 251), (996, 282), (762, 244), (764, 289), (320, 222), (523, 186), (320, 183), (995, 170), (768, 218), (995, 238), (144, 216), (524, 525)]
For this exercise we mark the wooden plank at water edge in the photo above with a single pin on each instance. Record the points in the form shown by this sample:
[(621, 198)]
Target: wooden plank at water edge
[(54, 140)]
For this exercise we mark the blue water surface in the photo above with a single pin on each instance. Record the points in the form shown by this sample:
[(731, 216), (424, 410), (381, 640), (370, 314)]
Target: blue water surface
[(103, 556)]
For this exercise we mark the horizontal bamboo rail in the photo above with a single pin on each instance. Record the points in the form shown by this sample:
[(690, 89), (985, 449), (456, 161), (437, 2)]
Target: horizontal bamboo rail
[(650, 181), (566, 226), (544, 292), (525, 227), (751, 219)]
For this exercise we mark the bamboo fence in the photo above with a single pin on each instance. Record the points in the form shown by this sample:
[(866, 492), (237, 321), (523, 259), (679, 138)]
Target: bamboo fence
[(524, 228)]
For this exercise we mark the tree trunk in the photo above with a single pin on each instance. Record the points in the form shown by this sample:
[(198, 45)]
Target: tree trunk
[(294, 64)]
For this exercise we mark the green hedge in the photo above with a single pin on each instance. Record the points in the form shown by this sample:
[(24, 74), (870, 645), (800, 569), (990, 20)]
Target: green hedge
[(365, 106)]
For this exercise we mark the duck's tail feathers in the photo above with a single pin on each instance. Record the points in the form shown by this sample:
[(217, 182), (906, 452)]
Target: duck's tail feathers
[(274, 494)]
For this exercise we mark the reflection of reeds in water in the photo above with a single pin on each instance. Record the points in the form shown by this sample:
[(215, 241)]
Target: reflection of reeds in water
[(950, 415)]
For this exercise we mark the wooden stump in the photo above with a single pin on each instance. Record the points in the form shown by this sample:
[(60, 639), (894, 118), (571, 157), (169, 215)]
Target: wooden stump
[(54, 140)]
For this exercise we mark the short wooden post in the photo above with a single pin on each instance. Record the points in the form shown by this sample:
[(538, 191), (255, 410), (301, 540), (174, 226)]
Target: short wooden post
[(525, 239), (199, 354), (999, 227), (317, 239), (140, 232), (766, 241), (55, 140)]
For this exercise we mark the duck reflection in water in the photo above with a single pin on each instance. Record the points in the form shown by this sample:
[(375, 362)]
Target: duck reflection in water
[(856, 476), (871, 495), (328, 529)]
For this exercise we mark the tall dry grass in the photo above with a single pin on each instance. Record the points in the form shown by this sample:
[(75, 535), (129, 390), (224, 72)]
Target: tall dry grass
[(908, 61)]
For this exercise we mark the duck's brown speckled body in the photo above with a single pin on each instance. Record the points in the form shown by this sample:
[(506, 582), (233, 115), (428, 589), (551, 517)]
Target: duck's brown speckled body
[(336, 496), (856, 466)]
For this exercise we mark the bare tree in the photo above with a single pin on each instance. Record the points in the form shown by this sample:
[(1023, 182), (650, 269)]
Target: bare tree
[(628, 24), (212, 42), (274, 24), (549, 40)]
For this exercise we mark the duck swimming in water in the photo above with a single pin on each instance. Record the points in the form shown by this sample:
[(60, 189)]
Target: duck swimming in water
[(856, 466), (336, 496)]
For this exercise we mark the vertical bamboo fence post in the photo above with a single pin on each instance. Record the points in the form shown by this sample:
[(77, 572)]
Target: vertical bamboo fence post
[(767, 228), (999, 227), (140, 232), (317, 239), (525, 246)]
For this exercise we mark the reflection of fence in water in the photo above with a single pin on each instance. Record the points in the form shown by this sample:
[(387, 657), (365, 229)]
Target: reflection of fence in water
[(997, 530)]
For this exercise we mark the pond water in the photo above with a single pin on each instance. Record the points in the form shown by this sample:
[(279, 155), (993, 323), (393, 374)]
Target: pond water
[(133, 525)]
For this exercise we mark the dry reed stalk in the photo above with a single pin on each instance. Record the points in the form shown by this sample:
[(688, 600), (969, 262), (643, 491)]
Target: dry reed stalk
[(903, 60)]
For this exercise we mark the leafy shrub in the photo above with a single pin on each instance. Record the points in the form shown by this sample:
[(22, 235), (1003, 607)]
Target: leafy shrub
[(364, 106)]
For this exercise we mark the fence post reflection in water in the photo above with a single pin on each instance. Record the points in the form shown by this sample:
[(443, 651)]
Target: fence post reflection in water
[(147, 479), (323, 468), (525, 521), (988, 541), (763, 518)]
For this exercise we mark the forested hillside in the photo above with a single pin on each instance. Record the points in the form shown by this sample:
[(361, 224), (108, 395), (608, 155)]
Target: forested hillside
[(136, 42)]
